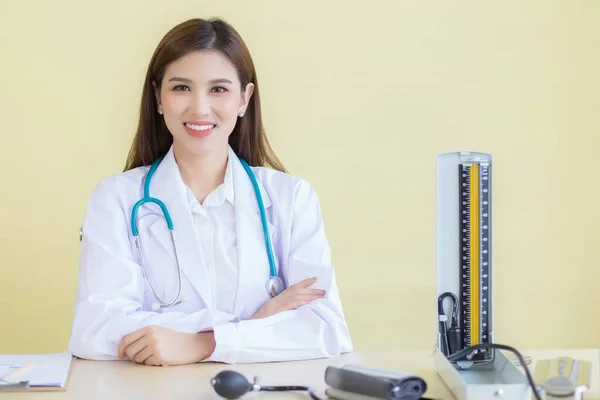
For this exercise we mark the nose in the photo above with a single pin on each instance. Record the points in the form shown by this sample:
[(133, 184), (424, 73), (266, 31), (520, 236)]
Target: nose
[(200, 104)]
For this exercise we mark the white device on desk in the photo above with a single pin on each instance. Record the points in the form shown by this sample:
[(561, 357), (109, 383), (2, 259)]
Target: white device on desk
[(466, 357)]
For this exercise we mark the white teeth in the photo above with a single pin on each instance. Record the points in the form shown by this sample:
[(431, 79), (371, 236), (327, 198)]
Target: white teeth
[(199, 127)]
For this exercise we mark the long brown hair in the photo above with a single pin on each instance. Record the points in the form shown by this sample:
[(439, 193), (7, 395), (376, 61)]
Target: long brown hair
[(248, 139)]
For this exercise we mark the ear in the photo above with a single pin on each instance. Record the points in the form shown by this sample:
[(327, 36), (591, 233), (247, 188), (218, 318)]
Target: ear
[(157, 94), (246, 94)]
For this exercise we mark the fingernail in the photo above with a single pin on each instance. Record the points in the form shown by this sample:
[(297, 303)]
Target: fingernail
[(323, 292)]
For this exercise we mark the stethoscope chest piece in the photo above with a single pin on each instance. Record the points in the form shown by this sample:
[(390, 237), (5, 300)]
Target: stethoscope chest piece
[(274, 286)]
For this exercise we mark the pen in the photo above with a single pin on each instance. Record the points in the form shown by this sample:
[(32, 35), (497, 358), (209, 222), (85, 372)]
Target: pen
[(11, 386), (18, 371)]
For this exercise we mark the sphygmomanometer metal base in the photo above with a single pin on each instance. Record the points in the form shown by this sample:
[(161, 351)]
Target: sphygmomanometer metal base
[(495, 380)]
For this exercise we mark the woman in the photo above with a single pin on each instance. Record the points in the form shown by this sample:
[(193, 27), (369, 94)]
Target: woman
[(200, 122)]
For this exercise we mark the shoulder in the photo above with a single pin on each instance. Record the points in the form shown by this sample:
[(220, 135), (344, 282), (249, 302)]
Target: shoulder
[(120, 185)]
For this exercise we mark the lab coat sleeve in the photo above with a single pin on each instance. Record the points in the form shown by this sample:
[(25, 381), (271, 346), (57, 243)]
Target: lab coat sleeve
[(110, 287), (317, 330)]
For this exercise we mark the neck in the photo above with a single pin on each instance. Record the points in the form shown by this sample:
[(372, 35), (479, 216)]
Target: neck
[(202, 173)]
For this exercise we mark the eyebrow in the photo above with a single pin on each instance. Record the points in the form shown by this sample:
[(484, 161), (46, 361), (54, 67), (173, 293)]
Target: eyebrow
[(186, 80)]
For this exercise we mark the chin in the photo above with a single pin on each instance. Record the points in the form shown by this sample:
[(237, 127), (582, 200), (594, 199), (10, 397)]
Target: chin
[(201, 146)]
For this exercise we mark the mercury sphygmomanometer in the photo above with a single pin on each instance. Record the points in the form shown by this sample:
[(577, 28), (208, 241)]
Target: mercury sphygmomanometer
[(466, 357)]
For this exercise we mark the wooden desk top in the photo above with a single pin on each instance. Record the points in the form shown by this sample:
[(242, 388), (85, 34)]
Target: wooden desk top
[(103, 380)]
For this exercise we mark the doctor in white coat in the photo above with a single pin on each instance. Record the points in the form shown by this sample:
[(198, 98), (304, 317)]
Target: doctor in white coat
[(200, 111)]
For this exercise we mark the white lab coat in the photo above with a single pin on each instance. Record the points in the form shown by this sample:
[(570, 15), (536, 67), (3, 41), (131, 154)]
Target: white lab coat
[(113, 298)]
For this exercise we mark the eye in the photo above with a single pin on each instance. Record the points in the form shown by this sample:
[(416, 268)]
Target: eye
[(219, 89), (180, 88)]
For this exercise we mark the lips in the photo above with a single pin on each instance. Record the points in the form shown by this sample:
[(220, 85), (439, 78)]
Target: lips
[(199, 128)]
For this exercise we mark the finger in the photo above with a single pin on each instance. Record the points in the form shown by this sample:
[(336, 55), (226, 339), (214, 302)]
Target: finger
[(305, 283), (316, 292), (143, 355), (128, 339), (134, 348), (153, 360), (305, 292), (307, 296), (306, 299)]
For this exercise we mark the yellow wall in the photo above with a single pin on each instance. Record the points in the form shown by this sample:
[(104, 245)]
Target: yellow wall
[(359, 101)]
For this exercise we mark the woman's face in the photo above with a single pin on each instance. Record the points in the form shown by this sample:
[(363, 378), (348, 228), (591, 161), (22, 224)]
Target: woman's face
[(201, 99)]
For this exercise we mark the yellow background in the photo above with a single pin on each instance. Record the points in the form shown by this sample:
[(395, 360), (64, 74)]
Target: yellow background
[(358, 99)]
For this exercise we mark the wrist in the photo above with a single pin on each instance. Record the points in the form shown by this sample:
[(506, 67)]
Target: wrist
[(257, 315), (206, 343)]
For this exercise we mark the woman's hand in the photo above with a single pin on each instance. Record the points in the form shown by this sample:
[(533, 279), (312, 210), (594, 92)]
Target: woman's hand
[(295, 296), (156, 345)]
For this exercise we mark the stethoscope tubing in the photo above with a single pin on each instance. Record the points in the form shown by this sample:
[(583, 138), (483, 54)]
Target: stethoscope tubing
[(148, 199)]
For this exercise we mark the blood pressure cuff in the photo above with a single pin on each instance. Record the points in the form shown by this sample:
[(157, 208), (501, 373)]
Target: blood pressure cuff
[(355, 382)]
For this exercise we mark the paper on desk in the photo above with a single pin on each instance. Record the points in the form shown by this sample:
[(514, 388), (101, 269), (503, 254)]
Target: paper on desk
[(300, 270), (50, 370), (5, 370)]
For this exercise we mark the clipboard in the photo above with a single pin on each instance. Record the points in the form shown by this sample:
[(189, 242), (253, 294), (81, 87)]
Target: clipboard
[(34, 380)]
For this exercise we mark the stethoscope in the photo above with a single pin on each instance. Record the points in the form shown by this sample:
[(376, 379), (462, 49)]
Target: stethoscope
[(233, 385), (274, 285)]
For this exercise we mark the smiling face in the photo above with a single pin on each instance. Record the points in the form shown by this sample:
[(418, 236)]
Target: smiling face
[(201, 98)]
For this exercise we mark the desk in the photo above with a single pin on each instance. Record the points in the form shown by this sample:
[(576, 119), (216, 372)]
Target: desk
[(103, 380)]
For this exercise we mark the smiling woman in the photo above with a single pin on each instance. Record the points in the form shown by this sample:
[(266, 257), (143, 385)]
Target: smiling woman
[(226, 83), (213, 90), (190, 287)]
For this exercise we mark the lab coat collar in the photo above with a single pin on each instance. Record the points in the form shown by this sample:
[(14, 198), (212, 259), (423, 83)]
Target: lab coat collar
[(168, 182), (236, 179)]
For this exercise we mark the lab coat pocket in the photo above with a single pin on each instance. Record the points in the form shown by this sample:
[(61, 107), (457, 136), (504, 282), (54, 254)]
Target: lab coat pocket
[(300, 270)]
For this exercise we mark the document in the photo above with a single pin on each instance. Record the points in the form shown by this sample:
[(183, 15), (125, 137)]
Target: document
[(300, 270), (39, 370)]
